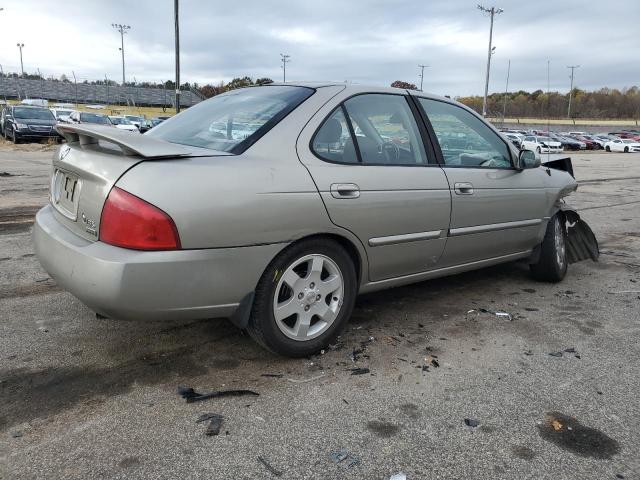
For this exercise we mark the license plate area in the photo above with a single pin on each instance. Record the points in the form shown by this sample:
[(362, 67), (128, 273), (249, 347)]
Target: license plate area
[(65, 192)]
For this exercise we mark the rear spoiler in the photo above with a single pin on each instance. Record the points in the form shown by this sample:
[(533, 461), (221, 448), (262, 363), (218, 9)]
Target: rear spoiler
[(130, 143)]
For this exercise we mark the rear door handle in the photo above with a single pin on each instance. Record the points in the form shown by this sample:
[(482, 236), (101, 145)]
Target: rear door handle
[(463, 188), (345, 190)]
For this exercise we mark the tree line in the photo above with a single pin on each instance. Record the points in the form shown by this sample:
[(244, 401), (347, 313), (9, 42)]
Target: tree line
[(605, 103)]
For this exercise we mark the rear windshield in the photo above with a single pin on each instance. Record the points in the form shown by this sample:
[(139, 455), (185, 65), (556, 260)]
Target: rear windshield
[(233, 121), (33, 113), (94, 118)]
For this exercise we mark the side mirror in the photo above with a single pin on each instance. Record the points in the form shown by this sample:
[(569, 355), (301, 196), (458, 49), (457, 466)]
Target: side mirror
[(527, 159)]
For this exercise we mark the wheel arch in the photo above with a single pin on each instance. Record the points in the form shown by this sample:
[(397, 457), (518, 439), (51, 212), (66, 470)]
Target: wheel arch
[(352, 246)]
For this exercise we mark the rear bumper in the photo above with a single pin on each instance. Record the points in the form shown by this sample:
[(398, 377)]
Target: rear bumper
[(135, 285)]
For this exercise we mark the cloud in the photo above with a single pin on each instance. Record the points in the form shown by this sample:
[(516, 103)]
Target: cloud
[(368, 41)]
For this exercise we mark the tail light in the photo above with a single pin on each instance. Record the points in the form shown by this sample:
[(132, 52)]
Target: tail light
[(129, 222)]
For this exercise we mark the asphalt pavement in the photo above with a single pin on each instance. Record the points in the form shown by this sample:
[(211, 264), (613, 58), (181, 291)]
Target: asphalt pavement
[(452, 390)]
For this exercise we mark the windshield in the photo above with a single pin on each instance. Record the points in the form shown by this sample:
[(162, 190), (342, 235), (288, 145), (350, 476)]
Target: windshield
[(33, 113), (133, 118), (544, 139), (233, 121), (63, 113), (94, 118)]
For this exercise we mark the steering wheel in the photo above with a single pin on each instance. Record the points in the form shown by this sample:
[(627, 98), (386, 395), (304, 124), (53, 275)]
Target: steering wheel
[(391, 152)]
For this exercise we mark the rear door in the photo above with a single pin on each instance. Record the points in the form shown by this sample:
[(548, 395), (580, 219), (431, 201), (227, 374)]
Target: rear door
[(496, 209), (368, 159)]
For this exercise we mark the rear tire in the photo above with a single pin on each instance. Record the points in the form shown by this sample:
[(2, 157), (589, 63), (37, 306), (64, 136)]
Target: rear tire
[(315, 283), (607, 148), (626, 149), (539, 150), (552, 264)]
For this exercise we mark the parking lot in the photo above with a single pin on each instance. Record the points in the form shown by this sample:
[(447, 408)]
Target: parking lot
[(82, 397)]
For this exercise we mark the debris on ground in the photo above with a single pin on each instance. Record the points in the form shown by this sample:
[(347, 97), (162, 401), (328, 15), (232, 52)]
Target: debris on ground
[(359, 371), (398, 476), (215, 423), (528, 353), (497, 313), (272, 375), (555, 354), (17, 434), (470, 422), (304, 380), (190, 395), (561, 353), (7, 174), (269, 467), (344, 459)]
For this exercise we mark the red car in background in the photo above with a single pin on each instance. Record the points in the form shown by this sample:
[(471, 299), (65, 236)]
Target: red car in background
[(591, 144), (626, 134)]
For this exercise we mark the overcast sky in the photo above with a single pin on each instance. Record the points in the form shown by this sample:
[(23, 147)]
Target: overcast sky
[(363, 41)]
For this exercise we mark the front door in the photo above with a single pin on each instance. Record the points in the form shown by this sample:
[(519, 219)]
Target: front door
[(369, 162), (496, 209)]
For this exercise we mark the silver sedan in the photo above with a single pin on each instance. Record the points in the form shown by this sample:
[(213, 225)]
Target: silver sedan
[(276, 205)]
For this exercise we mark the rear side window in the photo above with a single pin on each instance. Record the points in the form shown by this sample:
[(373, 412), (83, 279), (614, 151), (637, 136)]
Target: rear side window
[(371, 129), (233, 121), (333, 141)]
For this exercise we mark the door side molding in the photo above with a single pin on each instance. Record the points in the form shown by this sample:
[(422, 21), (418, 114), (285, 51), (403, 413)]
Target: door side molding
[(492, 227), (408, 237)]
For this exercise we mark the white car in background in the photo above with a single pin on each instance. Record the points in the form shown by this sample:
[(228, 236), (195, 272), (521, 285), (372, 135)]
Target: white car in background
[(622, 145), (541, 144), (123, 124), (61, 114)]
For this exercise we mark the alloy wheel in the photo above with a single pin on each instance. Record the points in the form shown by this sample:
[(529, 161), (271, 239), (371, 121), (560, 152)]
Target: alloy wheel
[(308, 297)]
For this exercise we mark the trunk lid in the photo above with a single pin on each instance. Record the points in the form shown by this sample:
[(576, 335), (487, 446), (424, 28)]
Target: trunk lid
[(92, 161)]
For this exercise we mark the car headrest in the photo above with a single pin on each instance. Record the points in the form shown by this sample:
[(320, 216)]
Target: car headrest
[(330, 132)]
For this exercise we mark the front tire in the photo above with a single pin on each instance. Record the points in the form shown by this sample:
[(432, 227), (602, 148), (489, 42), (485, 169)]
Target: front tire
[(14, 137), (304, 298), (626, 149), (607, 148), (552, 263), (539, 150)]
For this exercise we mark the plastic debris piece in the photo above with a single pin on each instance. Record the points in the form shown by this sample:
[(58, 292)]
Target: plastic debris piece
[(339, 456), (555, 354), (304, 380), (359, 371), (269, 467), (570, 350), (214, 426), (398, 476), (272, 375), (190, 395), (470, 422)]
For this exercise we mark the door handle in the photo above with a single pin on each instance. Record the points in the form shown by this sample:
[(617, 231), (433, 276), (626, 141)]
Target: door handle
[(345, 190), (463, 188)]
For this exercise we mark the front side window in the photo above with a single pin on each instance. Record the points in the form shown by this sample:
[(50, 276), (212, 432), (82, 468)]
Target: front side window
[(464, 139), (94, 118), (233, 121)]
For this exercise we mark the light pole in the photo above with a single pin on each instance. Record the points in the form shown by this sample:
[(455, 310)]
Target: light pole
[(21, 46), (506, 92), (285, 59), (572, 67), (422, 67), (493, 11), (177, 29), (123, 30)]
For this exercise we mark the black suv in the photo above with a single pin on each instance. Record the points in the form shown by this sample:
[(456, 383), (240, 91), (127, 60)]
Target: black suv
[(24, 122)]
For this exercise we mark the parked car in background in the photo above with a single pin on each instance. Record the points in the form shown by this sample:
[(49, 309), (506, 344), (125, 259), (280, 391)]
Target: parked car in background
[(514, 138), (541, 144), (594, 138), (123, 124), (567, 143), (139, 121), (625, 145), (626, 134), (24, 122), (36, 102), (269, 223), (591, 144), (61, 114), (89, 117), (155, 121)]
